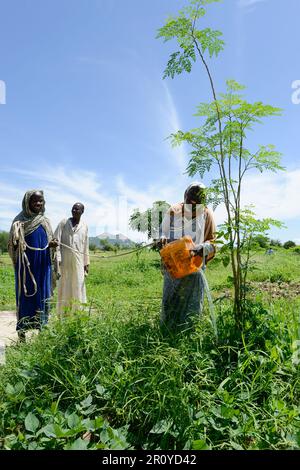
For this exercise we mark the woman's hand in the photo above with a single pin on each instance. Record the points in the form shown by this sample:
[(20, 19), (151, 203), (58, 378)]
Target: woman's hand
[(197, 252), (54, 243), (161, 243)]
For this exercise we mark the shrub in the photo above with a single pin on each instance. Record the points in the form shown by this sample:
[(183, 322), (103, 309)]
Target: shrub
[(289, 244), (261, 241), (275, 243), (106, 245), (3, 241)]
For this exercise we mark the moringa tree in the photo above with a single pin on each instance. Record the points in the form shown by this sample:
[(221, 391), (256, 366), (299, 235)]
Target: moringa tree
[(219, 143)]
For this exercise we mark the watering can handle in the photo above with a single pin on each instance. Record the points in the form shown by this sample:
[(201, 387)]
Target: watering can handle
[(197, 252)]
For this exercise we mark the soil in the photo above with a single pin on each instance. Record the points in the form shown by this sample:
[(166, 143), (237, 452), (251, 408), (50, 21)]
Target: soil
[(7, 331), (278, 289), (273, 290)]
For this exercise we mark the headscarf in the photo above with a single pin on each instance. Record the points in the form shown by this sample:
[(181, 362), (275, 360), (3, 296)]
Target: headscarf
[(196, 187), (31, 221), (176, 209)]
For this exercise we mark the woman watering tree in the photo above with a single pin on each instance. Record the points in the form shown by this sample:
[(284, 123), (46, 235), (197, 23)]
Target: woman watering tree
[(183, 297)]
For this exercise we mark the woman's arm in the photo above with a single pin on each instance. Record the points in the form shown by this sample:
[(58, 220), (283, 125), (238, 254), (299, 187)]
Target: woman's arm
[(210, 233)]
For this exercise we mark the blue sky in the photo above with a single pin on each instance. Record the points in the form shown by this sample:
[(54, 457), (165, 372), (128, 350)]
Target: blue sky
[(87, 112)]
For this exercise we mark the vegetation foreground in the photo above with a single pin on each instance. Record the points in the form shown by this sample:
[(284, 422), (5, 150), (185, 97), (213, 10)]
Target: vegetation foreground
[(109, 378)]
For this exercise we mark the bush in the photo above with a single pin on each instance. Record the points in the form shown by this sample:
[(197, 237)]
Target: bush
[(3, 241), (289, 244), (261, 241), (106, 246), (275, 243), (280, 276), (273, 275)]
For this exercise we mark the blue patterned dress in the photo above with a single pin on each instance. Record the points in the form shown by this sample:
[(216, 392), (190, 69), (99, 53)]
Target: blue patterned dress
[(33, 311), (183, 298)]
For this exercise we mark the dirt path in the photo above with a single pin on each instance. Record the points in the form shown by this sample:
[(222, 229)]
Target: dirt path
[(7, 331)]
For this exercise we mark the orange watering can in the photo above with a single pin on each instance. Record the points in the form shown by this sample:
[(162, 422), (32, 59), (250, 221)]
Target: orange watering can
[(178, 259)]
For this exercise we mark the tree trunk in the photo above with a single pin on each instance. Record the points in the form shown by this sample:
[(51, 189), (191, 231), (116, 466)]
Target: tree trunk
[(238, 301)]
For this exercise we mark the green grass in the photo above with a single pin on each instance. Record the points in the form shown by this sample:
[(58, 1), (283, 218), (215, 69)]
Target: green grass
[(7, 284), (131, 279), (112, 372)]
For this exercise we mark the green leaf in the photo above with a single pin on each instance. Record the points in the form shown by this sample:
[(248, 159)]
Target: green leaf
[(9, 389), (87, 402), (233, 85), (99, 422), (104, 435), (210, 40), (236, 446), (224, 382), (89, 424), (53, 430), (31, 422), (180, 62), (79, 444), (226, 261), (33, 445), (161, 427), (119, 369), (118, 439), (102, 391), (200, 444), (74, 420), (48, 430)]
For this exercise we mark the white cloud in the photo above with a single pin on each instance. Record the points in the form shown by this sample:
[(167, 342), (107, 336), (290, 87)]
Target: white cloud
[(171, 124), (272, 195), (108, 209), (62, 188)]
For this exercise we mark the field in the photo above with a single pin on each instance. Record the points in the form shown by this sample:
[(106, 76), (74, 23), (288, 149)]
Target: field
[(110, 378)]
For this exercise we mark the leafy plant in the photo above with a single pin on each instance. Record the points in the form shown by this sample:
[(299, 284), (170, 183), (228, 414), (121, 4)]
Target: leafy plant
[(110, 379)]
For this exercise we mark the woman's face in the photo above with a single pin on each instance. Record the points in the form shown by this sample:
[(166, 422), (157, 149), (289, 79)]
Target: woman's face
[(194, 196), (36, 202)]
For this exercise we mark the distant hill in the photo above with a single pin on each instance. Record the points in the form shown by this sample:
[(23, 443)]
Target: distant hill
[(119, 238)]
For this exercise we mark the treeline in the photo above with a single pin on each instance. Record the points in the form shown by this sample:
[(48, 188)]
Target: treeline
[(265, 242), (106, 245), (261, 241)]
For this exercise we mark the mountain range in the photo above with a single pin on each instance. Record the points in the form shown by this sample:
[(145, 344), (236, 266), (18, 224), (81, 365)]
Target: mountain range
[(119, 238)]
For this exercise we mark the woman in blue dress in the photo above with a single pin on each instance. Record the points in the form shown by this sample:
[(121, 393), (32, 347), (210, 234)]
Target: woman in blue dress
[(31, 247)]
